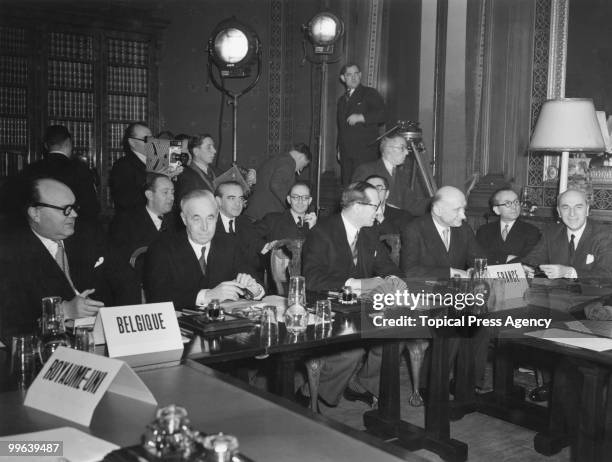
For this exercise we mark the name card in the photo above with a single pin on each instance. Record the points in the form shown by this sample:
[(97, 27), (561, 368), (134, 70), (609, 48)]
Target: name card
[(142, 335), (512, 278), (72, 383)]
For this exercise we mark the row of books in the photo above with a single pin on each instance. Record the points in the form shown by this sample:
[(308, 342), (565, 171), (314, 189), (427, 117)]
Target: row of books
[(127, 107), (127, 79), (70, 74), (116, 135), (13, 100), (13, 39), (11, 163), (82, 132), (13, 131), (128, 52), (70, 104), (71, 46), (14, 70)]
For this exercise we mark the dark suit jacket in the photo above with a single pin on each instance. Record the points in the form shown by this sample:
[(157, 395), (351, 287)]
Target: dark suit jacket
[(521, 239), (394, 222), (274, 180), (423, 253), (194, 178), (327, 258), (32, 273), (134, 228), (281, 225), (172, 270), (358, 142), (247, 241), (553, 248), (400, 193), (127, 180)]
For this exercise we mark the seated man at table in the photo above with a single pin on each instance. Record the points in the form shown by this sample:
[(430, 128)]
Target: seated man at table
[(56, 255), (345, 250), (193, 267), (509, 238), (389, 220), (577, 248)]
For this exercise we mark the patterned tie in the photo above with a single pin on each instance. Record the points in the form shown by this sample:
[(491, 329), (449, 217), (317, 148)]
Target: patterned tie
[(354, 252), (202, 260), (231, 227), (300, 222), (163, 226), (446, 236), (571, 250), (348, 94), (62, 261), (505, 233)]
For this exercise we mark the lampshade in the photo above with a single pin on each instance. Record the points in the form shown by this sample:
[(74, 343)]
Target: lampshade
[(567, 124)]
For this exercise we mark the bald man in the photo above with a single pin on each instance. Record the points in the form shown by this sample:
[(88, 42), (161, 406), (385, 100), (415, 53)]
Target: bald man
[(193, 267), (440, 244), (578, 248)]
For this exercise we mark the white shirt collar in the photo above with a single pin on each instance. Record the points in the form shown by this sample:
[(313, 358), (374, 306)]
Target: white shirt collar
[(156, 220), (502, 225), (577, 235), (351, 230), (296, 216), (389, 166), (197, 248), (142, 157), (225, 220), (441, 229), (49, 244)]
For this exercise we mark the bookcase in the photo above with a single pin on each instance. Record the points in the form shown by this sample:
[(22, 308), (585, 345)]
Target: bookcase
[(94, 75)]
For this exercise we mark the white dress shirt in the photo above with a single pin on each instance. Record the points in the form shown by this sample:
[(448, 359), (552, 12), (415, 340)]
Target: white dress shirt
[(225, 220), (156, 220)]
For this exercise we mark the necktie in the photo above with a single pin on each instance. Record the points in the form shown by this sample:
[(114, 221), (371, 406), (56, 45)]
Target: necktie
[(446, 236), (231, 227), (62, 261), (348, 94), (300, 222), (354, 248), (505, 233), (162, 227), (571, 250), (202, 260)]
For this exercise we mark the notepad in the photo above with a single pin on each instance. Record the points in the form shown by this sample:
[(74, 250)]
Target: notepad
[(78, 445), (573, 338)]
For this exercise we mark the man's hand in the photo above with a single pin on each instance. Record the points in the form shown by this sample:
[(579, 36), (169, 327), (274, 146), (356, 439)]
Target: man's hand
[(228, 290), (81, 306), (248, 282), (529, 271), (251, 177), (355, 119), (311, 219), (172, 172), (454, 272), (558, 271)]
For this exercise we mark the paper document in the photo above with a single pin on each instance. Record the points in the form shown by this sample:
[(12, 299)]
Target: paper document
[(573, 338), (78, 445)]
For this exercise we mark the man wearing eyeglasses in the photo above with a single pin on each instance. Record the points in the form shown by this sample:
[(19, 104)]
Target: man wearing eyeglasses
[(508, 239), (389, 220), (344, 250), (57, 256), (391, 166)]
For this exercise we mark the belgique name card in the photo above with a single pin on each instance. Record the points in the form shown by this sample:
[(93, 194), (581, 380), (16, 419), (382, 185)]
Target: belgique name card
[(72, 383), (142, 335)]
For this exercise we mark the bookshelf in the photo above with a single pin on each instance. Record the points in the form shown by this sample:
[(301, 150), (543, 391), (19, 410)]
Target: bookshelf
[(92, 74)]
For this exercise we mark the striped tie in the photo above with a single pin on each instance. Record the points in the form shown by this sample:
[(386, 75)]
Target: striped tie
[(505, 233), (62, 261)]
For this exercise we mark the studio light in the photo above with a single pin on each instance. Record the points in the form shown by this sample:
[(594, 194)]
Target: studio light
[(233, 47), (323, 31)]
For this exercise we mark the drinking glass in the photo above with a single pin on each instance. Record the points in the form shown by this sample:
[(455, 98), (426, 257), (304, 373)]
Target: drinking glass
[(23, 360), (480, 268), (297, 291), (323, 311), (269, 326), (84, 339), (52, 327)]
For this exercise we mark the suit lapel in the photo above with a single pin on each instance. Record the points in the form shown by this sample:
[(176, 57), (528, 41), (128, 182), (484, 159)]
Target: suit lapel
[(581, 251), (436, 239), (48, 267)]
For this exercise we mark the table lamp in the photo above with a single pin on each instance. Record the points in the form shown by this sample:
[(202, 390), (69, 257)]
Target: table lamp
[(564, 125)]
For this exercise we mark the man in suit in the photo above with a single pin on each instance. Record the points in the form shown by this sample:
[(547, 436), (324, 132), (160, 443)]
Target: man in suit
[(391, 166), (361, 110), (140, 226), (344, 250), (510, 238), (578, 248), (274, 180), (389, 220), (56, 256), (200, 173), (193, 267)]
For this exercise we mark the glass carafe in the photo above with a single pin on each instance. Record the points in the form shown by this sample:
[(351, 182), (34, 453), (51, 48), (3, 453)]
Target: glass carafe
[(296, 316), (53, 331)]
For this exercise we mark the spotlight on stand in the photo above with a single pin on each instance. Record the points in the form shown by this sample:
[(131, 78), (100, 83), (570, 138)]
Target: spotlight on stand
[(233, 48), (323, 31)]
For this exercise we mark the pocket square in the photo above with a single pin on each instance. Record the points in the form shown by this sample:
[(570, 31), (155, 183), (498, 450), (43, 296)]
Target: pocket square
[(589, 259), (99, 262)]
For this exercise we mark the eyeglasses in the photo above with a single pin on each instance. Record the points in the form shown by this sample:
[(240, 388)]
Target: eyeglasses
[(144, 140), (295, 197), (236, 199), (509, 204), (380, 187), (67, 210), (376, 206)]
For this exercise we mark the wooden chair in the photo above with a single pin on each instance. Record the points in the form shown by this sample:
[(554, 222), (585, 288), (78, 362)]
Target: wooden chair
[(136, 263)]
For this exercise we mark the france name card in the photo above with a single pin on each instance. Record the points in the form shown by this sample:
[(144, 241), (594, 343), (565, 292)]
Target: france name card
[(512, 277), (72, 383), (142, 334)]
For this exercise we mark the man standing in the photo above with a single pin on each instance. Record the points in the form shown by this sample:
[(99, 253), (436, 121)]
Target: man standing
[(360, 112), (578, 248), (510, 238), (344, 250), (56, 256), (193, 267), (200, 173), (274, 180), (391, 166), (140, 226)]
